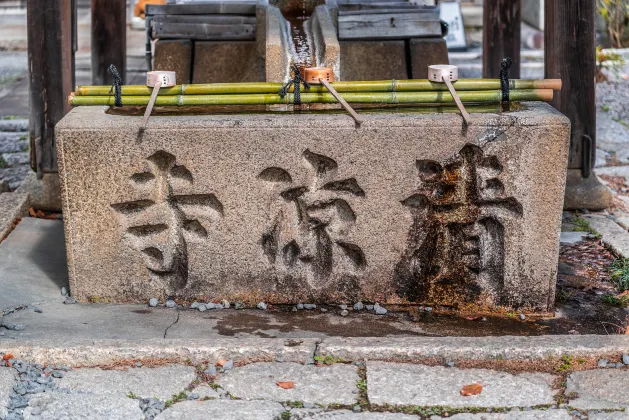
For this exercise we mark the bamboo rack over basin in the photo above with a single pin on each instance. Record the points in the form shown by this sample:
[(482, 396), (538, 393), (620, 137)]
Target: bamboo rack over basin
[(419, 85), (480, 97)]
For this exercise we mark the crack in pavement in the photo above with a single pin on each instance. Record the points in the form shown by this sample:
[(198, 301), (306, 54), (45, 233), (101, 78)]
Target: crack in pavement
[(176, 321)]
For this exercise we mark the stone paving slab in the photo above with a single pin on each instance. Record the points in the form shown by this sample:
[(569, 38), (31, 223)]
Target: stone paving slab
[(613, 415), (19, 158), (599, 389), (14, 175), (206, 391), (57, 406), (472, 348), (406, 384), (14, 125), (6, 387), (614, 236), (223, 409), (305, 414), (313, 384), (12, 206), (160, 382), (513, 415)]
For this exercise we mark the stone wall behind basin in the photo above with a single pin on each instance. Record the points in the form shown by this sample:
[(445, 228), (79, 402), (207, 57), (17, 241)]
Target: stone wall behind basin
[(307, 207)]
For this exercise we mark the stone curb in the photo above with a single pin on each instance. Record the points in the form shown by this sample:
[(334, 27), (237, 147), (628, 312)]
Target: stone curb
[(473, 348), (613, 235), (302, 350), (12, 206)]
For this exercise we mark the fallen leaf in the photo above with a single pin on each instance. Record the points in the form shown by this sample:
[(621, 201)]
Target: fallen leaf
[(625, 293), (7, 356), (31, 212), (221, 363), (472, 389), (627, 330), (286, 385), (472, 318)]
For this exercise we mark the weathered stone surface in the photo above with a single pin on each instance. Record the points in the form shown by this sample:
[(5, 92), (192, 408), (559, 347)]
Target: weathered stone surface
[(305, 414), (230, 219), (174, 55), (513, 415), (206, 391), (160, 382), (14, 175), (55, 406), (612, 415), (225, 62), (224, 410), (404, 384), (7, 379), (277, 56), (12, 206), (586, 193), (326, 44), (472, 348), (599, 389), (373, 60), (18, 158), (45, 193), (613, 235), (572, 238), (426, 52), (313, 384)]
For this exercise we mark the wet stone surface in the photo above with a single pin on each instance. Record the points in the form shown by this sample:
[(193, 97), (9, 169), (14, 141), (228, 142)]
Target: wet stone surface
[(335, 384), (405, 384)]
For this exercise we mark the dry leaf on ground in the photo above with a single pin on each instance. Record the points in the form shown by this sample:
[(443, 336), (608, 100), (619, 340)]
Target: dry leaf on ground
[(286, 385), (472, 389)]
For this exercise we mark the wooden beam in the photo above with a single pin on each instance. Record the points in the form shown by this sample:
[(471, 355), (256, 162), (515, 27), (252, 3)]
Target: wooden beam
[(570, 55), (502, 22), (109, 39), (388, 26), (50, 71)]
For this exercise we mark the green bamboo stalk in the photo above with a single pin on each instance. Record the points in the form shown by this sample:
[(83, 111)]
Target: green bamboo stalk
[(488, 96), (355, 86)]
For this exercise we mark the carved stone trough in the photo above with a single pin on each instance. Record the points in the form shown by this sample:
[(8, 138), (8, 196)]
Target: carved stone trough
[(287, 208)]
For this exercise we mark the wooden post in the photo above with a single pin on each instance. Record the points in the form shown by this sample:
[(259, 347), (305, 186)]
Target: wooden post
[(502, 22), (109, 39), (570, 55), (51, 70)]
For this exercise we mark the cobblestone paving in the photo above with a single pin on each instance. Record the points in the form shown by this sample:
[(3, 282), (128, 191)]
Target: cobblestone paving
[(14, 151), (340, 391)]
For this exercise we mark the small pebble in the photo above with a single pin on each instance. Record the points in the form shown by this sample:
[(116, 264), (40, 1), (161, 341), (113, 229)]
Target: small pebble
[(294, 309), (228, 365), (202, 308), (69, 300), (344, 312), (359, 306), (603, 363), (380, 310), (210, 305), (64, 291), (194, 305), (261, 305), (428, 309), (37, 309), (300, 306), (522, 317), (310, 306), (619, 365), (308, 405), (138, 364), (57, 374), (343, 307), (625, 359), (218, 306), (14, 327), (170, 303), (450, 364), (356, 409), (211, 370), (324, 310), (153, 302), (239, 305), (226, 304), (194, 396), (369, 307)]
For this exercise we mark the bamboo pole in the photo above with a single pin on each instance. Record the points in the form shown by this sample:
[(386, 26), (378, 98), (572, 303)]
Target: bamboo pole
[(357, 86), (488, 96)]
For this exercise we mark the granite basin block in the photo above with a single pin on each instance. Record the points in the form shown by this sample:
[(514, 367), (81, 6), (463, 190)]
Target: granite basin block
[(285, 208)]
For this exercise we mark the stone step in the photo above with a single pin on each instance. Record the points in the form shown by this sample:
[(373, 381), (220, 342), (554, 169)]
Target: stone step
[(13, 135), (12, 206), (13, 146), (14, 125), (14, 175), (14, 159)]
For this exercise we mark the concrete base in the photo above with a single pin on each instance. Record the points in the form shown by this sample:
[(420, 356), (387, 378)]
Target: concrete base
[(45, 193), (373, 60), (586, 193), (306, 207)]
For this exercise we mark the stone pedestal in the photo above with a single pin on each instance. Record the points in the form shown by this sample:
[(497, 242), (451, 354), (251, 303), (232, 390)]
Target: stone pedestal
[(285, 208)]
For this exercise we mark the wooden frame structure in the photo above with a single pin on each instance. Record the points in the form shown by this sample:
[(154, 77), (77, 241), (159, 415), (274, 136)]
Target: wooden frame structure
[(569, 44)]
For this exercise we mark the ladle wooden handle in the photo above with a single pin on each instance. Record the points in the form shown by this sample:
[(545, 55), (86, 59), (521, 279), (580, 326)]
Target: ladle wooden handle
[(466, 116), (342, 102), (149, 107)]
